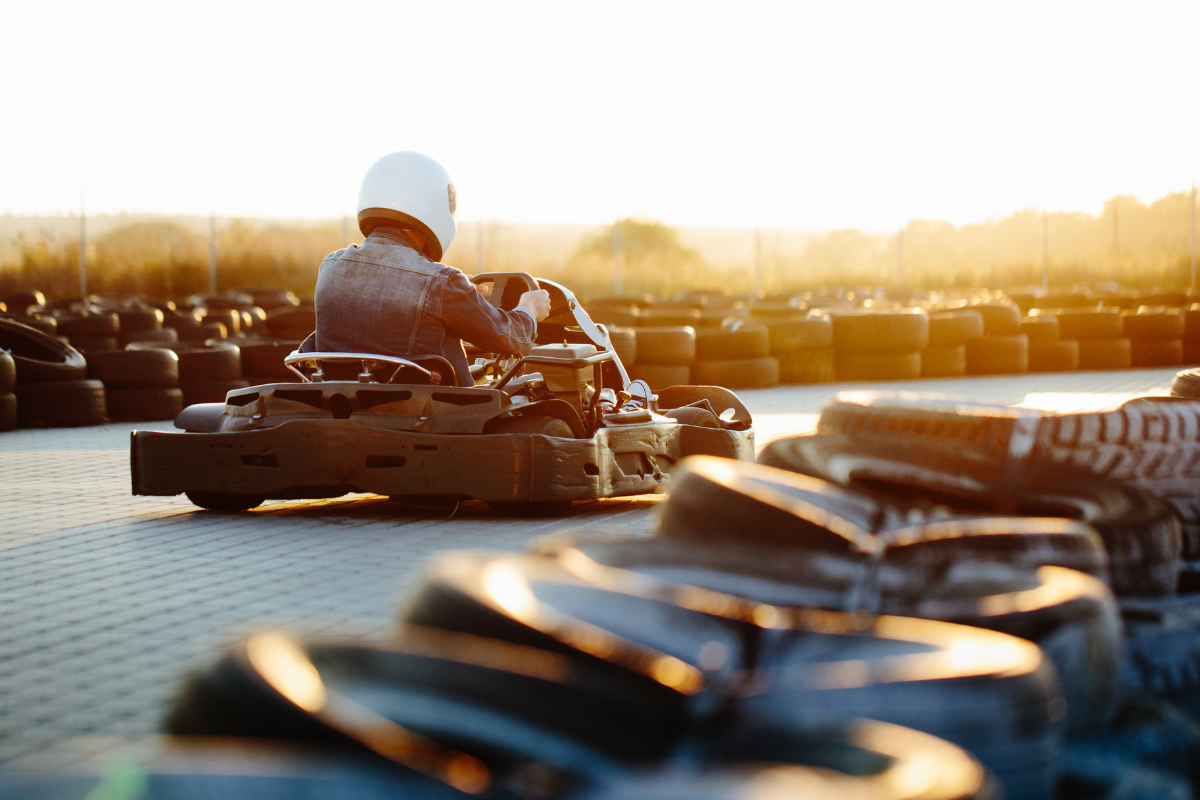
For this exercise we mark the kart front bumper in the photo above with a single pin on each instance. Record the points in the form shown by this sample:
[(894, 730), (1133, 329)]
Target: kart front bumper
[(329, 458)]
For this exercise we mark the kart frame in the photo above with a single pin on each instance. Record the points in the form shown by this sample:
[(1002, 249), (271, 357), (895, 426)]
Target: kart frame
[(327, 438)]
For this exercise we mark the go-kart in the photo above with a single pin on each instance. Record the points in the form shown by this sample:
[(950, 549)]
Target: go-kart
[(536, 432)]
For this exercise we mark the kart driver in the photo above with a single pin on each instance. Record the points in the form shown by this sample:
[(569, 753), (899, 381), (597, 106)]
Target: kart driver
[(390, 296)]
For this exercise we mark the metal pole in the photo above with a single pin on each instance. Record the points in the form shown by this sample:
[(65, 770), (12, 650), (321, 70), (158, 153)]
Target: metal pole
[(479, 249), (1193, 282), (758, 276), (617, 258), (900, 260), (1045, 250), (212, 252), (83, 248)]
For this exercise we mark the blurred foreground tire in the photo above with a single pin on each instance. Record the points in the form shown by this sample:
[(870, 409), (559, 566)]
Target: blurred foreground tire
[(1186, 384), (8, 373), (144, 404), (8, 411), (1141, 533), (63, 404), (1162, 649)]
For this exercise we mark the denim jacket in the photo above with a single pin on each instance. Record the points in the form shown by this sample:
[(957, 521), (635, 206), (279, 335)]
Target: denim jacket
[(384, 297)]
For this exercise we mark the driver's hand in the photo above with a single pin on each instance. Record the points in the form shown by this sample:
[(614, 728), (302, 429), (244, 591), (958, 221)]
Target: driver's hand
[(536, 303)]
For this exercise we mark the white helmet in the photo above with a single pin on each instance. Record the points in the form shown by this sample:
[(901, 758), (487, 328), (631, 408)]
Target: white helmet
[(412, 191)]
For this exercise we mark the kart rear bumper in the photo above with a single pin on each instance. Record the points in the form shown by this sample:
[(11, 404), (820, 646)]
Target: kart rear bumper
[(328, 458)]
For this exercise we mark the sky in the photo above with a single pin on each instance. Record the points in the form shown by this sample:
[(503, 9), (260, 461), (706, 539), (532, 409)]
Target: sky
[(810, 116)]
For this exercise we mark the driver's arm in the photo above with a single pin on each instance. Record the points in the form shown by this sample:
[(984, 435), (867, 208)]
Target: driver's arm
[(468, 315)]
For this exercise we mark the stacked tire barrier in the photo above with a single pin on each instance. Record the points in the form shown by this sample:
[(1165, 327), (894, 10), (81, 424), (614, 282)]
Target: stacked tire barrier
[(1155, 336), (734, 355), (1048, 352), (883, 345), (949, 334), (1099, 332), (1003, 349), (207, 372), (140, 385), (803, 346), (50, 384), (664, 356)]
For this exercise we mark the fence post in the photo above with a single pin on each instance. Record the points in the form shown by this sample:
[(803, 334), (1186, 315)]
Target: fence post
[(83, 248), (616, 246)]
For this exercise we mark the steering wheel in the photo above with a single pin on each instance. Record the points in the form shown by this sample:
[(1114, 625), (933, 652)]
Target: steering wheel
[(507, 287)]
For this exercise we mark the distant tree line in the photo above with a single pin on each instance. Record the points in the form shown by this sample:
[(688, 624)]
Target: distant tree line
[(1130, 242)]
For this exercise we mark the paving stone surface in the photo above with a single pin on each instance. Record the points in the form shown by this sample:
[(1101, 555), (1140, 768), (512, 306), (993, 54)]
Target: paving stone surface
[(108, 599)]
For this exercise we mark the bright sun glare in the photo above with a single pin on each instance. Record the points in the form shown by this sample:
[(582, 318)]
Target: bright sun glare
[(810, 116)]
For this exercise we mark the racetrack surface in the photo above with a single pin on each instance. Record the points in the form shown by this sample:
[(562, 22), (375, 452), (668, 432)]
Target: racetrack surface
[(108, 599)]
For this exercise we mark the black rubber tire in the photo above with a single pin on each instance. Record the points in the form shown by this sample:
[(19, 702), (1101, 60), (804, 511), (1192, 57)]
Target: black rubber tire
[(137, 320), (202, 332), (89, 325), (209, 391), (144, 404), (950, 329), (1153, 324), (89, 345), (224, 501), (944, 362), (1089, 324), (161, 335), (1072, 617), (1105, 354), (1191, 353), (615, 317), (262, 380), (1053, 356), (293, 324), (8, 411), (543, 426), (807, 366), (62, 404), (880, 332), (1162, 649), (723, 344), (717, 500), (42, 322), (668, 346), (266, 358), (998, 355), (8, 372), (17, 302), (856, 366), (157, 367), (802, 334), (1141, 534), (1186, 384), (217, 362), (1040, 329), (1144, 353), (231, 318), (624, 343), (999, 319), (660, 376), (40, 358), (750, 373), (1152, 750)]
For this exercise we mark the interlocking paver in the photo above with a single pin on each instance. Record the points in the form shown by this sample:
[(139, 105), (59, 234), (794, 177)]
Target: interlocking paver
[(107, 599)]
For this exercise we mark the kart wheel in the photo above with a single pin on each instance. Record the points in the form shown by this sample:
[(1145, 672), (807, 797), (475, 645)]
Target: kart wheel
[(529, 508), (224, 501)]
